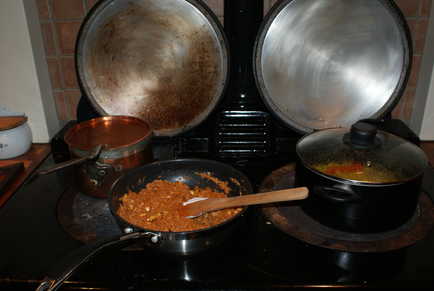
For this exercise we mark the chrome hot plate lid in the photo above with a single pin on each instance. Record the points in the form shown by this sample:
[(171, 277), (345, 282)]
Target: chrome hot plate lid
[(325, 64)]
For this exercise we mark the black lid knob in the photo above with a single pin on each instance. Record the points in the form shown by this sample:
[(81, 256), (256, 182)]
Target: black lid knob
[(362, 135)]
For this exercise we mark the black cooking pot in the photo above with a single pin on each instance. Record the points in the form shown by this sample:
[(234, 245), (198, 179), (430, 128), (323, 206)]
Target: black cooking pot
[(176, 243), (363, 180)]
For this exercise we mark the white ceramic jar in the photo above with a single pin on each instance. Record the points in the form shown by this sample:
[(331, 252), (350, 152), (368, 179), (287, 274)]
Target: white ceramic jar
[(15, 137)]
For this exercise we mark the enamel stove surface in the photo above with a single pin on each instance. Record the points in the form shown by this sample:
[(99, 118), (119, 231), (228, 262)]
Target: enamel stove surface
[(259, 255)]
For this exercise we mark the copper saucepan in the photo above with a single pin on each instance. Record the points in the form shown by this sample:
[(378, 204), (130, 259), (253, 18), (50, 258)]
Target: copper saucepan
[(103, 148)]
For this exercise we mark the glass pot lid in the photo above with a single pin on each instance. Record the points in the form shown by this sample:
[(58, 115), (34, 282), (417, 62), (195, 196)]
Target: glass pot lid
[(361, 154)]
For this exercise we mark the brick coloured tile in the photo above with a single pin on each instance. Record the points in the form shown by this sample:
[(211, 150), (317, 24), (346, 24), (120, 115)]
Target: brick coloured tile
[(420, 36), (54, 71), (412, 25), (216, 6), (409, 8), (414, 71), (408, 103), (67, 34), (91, 3), (68, 72), (72, 99), (397, 111), (405, 105), (48, 38), (43, 9), (67, 9), (61, 107), (408, 94), (267, 6), (428, 148), (425, 10)]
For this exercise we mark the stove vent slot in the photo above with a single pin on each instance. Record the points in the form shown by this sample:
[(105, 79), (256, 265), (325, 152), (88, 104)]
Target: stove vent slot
[(243, 134)]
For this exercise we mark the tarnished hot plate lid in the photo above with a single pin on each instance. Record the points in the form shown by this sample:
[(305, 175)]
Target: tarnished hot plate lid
[(323, 64), (165, 62)]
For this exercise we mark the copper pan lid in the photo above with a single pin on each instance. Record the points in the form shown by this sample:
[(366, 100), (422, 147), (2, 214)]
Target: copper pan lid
[(165, 62)]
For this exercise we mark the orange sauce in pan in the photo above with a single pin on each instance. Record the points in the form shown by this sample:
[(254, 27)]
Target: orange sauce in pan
[(155, 207), (111, 132)]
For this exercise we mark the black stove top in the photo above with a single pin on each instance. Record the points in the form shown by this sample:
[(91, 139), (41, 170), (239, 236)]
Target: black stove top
[(260, 255)]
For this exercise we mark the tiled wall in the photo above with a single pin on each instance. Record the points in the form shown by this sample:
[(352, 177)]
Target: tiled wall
[(61, 19), (417, 13)]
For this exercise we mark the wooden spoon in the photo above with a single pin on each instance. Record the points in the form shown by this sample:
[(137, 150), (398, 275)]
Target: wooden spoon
[(198, 206)]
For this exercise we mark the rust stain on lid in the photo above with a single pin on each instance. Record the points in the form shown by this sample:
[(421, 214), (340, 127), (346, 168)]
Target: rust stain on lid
[(156, 65)]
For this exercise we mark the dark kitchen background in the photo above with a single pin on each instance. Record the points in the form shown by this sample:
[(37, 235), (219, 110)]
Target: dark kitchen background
[(61, 19)]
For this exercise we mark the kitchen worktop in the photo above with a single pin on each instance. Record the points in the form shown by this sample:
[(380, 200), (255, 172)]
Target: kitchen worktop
[(29, 161), (259, 256)]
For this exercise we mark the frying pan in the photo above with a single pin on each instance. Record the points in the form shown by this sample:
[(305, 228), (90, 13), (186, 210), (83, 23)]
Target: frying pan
[(175, 243)]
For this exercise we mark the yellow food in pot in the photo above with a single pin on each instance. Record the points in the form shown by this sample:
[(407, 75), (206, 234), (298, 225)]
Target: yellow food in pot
[(358, 172)]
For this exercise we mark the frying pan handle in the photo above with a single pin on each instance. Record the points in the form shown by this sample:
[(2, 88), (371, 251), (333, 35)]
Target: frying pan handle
[(70, 263), (337, 193)]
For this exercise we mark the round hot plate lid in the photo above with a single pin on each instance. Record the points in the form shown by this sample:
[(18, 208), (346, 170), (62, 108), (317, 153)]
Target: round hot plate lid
[(165, 62), (323, 64)]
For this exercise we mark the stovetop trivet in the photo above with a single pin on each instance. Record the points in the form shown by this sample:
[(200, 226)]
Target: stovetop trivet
[(292, 220), (85, 218)]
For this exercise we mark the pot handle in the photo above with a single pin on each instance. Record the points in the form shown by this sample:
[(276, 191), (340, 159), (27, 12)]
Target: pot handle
[(337, 193), (93, 154), (72, 261)]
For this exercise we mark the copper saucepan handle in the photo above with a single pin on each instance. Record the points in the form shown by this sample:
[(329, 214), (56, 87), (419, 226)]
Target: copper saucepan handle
[(95, 153)]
